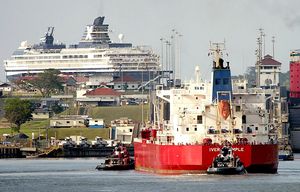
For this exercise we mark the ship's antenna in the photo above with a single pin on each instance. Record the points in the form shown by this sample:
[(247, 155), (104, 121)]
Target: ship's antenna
[(264, 43), (162, 53), (162, 60), (179, 55), (273, 46), (261, 34), (197, 72), (216, 50), (177, 67), (173, 54), (259, 56), (168, 54), (170, 60)]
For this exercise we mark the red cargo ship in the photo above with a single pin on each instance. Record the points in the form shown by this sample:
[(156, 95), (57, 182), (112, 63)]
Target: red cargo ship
[(192, 122)]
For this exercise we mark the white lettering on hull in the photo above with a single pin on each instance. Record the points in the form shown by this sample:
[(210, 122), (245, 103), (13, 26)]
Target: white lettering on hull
[(216, 149)]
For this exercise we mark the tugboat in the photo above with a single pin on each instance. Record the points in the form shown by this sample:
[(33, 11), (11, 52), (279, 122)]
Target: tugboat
[(285, 153), (119, 160), (226, 163)]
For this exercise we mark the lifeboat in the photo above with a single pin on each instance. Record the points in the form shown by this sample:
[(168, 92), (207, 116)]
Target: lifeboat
[(224, 108)]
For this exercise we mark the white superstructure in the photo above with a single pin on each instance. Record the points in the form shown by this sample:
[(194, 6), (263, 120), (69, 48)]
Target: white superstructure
[(95, 53), (219, 110)]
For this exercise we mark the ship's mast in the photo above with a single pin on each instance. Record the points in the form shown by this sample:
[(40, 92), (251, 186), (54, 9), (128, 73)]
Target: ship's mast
[(259, 53), (216, 50)]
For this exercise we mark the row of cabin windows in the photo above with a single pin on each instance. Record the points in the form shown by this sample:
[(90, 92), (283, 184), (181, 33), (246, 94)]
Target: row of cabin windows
[(249, 130), (224, 81), (74, 56), (268, 67), (238, 108), (78, 122), (133, 86), (188, 129), (199, 88)]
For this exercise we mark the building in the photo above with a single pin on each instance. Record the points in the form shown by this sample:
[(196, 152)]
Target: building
[(269, 72), (122, 130), (42, 113), (96, 123), (294, 100), (125, 83), (68, 121), (5, 87), (102, 96), (295, 74)]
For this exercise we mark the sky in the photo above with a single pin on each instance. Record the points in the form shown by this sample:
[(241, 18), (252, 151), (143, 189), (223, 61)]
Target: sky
[(145, 22)]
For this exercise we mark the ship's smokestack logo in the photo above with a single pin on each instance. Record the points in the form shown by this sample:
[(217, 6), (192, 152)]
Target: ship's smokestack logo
[(89, 30)]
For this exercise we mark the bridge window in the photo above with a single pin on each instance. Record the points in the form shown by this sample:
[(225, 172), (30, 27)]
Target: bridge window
[(225, 81), (217, 81), (199, 119), (244, 120)]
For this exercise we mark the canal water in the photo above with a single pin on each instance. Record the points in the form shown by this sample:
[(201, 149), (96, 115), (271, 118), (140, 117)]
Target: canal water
[(72, 175)]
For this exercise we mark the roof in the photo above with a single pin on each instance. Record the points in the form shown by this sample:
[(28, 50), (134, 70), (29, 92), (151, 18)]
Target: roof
[(103, 91), (124, 79), (20, 136), (41, 110), (27, 78), (65, 78), (81, 79), (4, 85), (268, 60)]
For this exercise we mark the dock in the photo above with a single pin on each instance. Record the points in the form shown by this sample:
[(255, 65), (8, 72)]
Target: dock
[(10, 152)]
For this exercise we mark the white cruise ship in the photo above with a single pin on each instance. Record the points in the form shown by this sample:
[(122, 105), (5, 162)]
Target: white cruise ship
[(94, 54)]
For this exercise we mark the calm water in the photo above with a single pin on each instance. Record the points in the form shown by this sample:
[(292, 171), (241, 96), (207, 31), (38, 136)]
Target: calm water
[(34, 175)]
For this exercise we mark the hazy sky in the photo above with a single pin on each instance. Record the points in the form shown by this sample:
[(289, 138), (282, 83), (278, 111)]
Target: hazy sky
[(144, 22)]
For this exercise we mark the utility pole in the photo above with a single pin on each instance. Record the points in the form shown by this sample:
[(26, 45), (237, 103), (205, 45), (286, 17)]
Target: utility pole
[(273, 46)]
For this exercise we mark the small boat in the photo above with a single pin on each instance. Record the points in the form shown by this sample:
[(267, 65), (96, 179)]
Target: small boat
[(226, 163), (119, 160), (285, 152), (286, 155), (116, 164)]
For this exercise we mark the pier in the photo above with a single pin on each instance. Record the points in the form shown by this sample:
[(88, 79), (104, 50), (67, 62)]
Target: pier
[(10, 152)]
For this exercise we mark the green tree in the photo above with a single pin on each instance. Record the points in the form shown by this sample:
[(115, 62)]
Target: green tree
[(17, 112), (57, 108), (48, 82), (250, 75), (284, 79)]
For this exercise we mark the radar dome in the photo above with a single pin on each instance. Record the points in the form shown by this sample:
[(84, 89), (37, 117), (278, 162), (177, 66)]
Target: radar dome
[(23, 45), (121, 37)]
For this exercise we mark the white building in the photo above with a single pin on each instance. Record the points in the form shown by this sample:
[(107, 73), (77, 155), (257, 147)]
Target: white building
[(269, 72)]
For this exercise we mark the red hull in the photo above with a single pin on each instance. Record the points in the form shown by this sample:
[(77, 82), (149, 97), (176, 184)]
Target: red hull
[(183, 159)]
